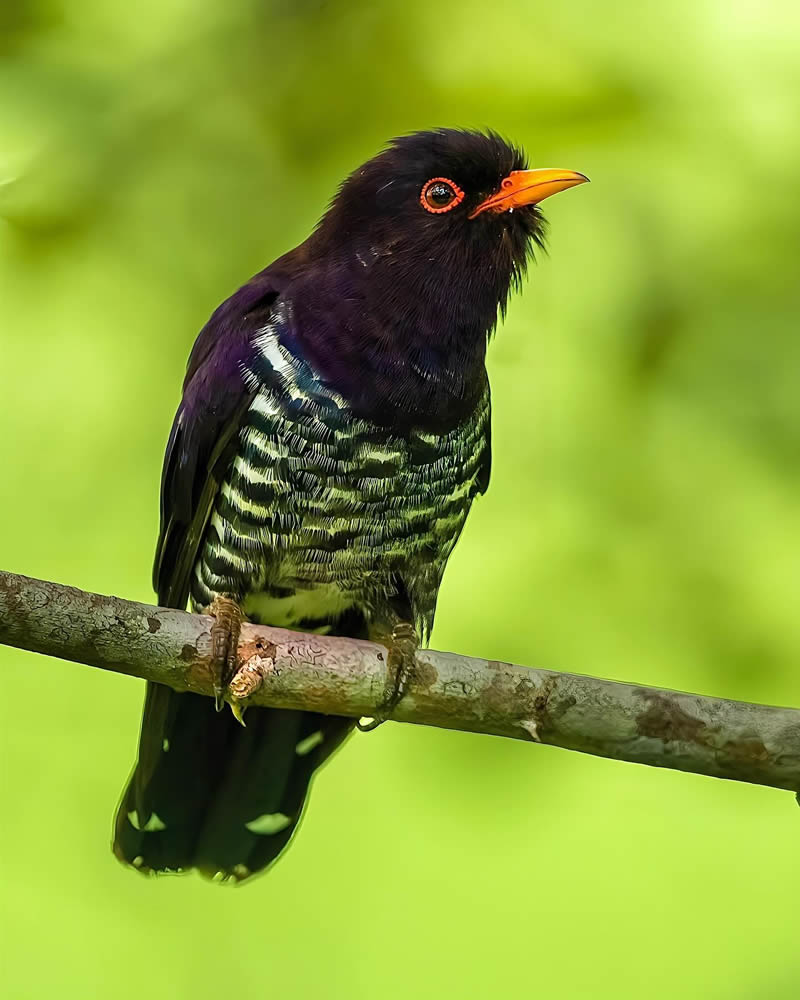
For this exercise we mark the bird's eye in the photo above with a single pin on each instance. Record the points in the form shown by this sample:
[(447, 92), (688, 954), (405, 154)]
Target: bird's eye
[(440, 195)]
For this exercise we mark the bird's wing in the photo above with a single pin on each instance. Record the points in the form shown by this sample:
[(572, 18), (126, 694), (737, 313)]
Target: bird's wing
[(204, 434), (205, 792), (201, 446)]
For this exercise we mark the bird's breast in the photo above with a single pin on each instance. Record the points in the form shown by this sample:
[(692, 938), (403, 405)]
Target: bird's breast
[(323, 510)]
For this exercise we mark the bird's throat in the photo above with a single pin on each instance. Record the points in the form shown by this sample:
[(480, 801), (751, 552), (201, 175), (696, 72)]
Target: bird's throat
[(400, 356)]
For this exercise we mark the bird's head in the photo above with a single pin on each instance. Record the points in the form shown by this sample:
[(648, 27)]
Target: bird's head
[(401, 283), (451, 213)]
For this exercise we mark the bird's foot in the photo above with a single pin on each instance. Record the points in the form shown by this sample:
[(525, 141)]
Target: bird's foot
[(246, 681), (224, 645), (401, 664)]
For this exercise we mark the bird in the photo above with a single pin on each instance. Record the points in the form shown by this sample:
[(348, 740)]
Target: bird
[(332, 435)]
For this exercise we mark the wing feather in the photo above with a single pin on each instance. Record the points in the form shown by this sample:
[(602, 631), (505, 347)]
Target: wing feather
[(204, 436)]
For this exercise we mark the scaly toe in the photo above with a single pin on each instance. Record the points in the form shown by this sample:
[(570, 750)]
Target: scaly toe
[(401, 663), (224, 645)]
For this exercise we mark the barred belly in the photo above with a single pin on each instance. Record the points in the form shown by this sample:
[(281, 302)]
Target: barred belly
[(322, 511)]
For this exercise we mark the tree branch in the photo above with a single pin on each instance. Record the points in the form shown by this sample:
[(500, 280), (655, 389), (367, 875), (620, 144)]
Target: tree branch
[(686, 732)]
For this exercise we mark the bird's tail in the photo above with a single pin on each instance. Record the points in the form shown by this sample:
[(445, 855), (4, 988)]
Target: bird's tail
[(209, 794)]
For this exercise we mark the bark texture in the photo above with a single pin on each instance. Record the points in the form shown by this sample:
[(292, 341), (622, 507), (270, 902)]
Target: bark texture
[(687, 732)]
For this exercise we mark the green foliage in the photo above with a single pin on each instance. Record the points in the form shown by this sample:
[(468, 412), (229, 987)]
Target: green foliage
[(643, 520)]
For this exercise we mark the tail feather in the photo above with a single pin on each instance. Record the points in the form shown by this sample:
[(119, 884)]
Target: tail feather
[(209, 794), (260, 801)]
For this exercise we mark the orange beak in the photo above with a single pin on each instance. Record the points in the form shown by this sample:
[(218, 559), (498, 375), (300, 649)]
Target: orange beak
[(528, 187)]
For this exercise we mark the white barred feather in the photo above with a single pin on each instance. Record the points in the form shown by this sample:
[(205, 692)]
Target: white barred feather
[(323, 511)]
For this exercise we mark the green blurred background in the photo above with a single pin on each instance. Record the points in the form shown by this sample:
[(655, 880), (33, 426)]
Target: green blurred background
[(643, 521)]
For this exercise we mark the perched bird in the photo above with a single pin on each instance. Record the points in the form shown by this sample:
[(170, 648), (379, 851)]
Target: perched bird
[(333, 432)]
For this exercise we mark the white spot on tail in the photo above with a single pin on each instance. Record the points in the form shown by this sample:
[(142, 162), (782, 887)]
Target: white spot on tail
[(153, 825), (307, 745), (165, 745), (269, 823)]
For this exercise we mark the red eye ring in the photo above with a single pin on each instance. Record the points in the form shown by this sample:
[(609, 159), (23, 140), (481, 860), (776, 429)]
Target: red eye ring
[(457, 198)]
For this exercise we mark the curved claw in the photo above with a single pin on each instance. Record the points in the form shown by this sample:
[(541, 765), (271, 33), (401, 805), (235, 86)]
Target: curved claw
[(366, 725), (237, 711)]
